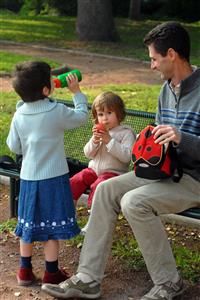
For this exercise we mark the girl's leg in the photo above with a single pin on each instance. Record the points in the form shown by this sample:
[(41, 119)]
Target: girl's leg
[(25, 275), (81, 181), (26, 249), (52, 273), (51, 250)]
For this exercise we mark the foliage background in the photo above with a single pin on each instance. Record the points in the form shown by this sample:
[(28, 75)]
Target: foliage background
[(187, 10)]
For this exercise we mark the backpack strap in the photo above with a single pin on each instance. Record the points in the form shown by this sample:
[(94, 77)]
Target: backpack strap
[(176, 161)]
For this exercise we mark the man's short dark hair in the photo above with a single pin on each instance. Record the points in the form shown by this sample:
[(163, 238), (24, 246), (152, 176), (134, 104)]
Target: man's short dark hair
[(29, 79), (169, 35)]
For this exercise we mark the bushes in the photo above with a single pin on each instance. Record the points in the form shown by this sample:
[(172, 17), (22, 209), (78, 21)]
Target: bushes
[(188, 10), (13, 5), (180, 9)]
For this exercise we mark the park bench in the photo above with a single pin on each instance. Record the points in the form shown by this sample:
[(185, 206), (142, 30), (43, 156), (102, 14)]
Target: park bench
[(74, 141)]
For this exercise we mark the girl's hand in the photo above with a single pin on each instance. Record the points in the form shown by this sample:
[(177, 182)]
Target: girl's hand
[(165, 134), (100, 136), (73, 84)]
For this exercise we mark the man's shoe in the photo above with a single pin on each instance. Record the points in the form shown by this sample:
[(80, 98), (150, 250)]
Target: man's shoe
[(73, 288), (166, 291), (55, 278), (25, 276)]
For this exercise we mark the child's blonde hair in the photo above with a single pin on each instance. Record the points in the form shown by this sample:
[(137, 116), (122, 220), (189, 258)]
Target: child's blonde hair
[(110, 101)]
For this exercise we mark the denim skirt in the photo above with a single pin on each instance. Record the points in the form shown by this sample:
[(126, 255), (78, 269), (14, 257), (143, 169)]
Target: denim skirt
[(46, 210)]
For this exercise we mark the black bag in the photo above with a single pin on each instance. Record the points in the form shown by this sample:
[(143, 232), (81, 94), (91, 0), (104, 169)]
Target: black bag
[(75, 166)]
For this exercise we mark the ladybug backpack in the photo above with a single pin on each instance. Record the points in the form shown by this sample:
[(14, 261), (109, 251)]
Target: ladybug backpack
[(154, 161)]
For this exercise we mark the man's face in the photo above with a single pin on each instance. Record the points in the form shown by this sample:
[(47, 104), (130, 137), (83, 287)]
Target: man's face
[(163, 64)]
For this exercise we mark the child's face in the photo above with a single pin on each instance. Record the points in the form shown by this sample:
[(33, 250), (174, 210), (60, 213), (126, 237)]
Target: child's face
[(107, 117)]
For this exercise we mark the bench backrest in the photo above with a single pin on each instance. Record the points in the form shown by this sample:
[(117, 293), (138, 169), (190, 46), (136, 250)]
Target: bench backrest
[(75, 139)]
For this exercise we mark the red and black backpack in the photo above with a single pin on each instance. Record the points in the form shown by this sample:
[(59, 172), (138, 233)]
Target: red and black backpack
[(154, 161)]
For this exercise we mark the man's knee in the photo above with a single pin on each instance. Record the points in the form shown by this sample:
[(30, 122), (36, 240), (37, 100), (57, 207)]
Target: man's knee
[(133, 205)]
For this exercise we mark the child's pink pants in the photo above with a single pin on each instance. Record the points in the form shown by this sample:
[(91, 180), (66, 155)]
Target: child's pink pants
[(85, 179)]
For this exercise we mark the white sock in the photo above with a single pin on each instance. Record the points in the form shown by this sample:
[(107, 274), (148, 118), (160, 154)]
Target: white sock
[(84, 277)]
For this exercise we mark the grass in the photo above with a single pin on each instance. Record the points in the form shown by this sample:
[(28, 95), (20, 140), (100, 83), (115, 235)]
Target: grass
[(61, 32), (8, 61), (8, 225)]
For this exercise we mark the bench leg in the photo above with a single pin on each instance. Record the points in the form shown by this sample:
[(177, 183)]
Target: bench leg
[(14, 191)]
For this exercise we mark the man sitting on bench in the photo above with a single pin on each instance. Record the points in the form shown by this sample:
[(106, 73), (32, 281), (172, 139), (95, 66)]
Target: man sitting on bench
[(142, 201)]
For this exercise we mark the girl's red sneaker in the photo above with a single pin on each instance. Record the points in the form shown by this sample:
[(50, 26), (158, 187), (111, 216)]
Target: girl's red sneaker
[(55, 278), (25, 276)]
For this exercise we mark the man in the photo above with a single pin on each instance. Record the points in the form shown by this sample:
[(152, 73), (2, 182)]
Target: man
[(142, 201)]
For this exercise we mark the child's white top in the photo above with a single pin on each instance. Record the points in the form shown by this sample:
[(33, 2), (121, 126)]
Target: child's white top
[(114, 156), (37, 132)]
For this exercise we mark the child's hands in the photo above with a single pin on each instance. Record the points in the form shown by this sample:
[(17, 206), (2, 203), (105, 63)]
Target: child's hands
[(73, 84), (100, 136)]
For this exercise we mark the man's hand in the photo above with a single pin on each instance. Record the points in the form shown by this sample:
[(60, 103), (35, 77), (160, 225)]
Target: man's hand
[(165, 134)]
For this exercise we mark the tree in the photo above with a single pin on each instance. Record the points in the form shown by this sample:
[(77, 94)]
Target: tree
[(134, 9), (95, 21)]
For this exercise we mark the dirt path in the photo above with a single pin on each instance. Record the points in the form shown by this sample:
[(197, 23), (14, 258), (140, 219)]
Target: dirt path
[(120, 283), (96, 69)]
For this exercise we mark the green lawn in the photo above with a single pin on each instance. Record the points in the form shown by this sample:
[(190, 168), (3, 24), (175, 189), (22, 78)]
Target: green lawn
[(61, 32), (8, 61)]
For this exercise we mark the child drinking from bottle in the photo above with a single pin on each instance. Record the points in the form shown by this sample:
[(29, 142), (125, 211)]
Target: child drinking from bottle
[(109, 148), (46, 210)]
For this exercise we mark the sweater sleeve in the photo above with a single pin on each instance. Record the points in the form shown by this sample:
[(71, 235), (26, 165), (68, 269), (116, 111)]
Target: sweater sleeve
[(190, 144), (122, 150), (77, 116), (13, 140), (91, 149)]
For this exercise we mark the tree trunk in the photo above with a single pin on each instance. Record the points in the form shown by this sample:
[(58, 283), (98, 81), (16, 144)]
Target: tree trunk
[(135, 9), (95, 21)]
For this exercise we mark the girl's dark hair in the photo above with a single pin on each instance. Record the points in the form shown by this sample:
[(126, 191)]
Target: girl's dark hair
[(110, 101), (169, 35), (29, 79)]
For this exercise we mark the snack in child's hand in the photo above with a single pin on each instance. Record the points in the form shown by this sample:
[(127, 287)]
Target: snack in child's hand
[(100, 127)]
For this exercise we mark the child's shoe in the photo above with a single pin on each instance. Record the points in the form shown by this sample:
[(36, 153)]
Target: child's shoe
[(25, 276), (55, 278)]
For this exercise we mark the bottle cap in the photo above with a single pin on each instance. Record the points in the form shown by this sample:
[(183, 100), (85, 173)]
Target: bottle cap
[(57, 82)]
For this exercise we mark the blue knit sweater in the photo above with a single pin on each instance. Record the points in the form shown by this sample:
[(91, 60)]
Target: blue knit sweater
[(184, 113), (37, 132)]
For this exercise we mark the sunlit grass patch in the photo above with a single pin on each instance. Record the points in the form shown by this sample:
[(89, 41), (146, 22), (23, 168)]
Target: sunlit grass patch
[(8, 60)]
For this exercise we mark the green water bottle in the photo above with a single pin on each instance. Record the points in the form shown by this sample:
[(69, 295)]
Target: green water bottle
[(60, 80)]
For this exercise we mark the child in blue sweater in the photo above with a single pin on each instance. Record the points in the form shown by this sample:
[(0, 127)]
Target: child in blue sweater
[(46, 211)]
